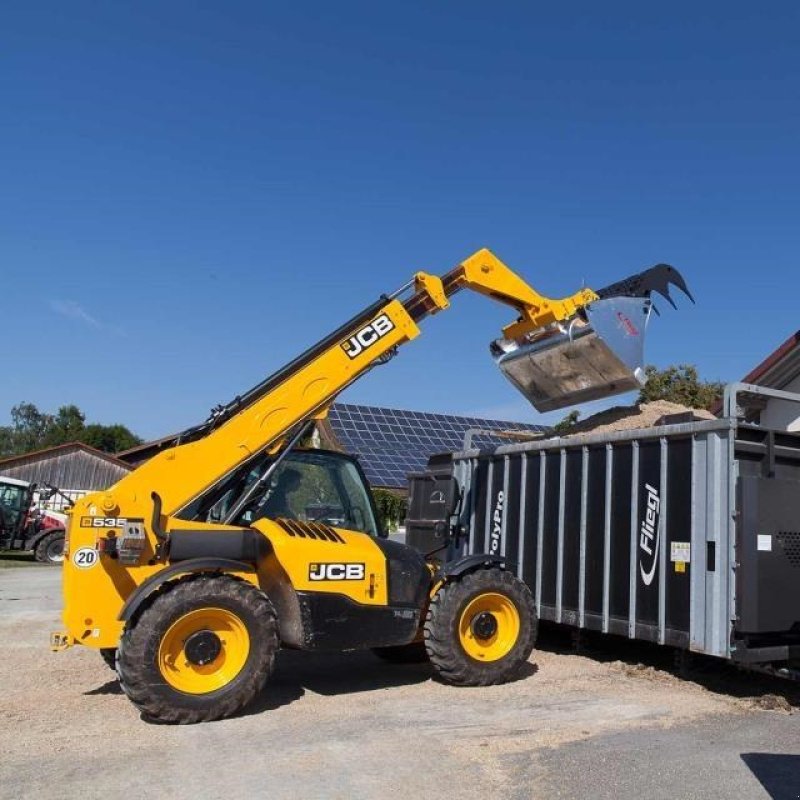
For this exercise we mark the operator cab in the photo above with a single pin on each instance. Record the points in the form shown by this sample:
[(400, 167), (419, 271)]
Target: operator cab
[(15, 498), (308, 486)]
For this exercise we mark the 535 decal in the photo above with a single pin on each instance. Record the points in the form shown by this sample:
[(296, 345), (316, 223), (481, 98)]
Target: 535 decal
[(103, 522)]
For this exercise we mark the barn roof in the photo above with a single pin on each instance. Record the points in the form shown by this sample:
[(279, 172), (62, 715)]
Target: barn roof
[(73, 465), (59, 449)]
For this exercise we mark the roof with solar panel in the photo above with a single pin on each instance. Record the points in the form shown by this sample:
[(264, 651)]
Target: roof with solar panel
[(390, 442)]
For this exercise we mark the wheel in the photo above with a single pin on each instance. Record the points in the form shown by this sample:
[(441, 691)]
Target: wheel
[(481, 628), (109, 655), (201, 650), (50, 549), (414, 653)]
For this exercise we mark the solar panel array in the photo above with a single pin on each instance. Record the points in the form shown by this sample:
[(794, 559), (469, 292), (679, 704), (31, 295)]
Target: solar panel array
[(391, 442)]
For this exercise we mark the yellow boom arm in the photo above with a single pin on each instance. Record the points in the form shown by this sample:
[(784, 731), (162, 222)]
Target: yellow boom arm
[(305, 388)]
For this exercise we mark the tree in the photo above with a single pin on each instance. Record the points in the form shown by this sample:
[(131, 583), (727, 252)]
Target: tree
[(391, 508), (66, 426), (680, 384), (109, 438), (569, 421), (27, 431), (32, 429)]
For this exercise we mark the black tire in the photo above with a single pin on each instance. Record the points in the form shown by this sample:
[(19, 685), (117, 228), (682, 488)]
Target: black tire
[(140, 659), (109, 655), (443, 639), (414, 653), (50, 548)]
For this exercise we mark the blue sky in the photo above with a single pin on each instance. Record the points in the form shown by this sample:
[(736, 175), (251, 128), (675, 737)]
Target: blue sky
[(192, 193)]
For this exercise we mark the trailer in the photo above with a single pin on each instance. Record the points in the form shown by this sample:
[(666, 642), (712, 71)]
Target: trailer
[(685, 535)]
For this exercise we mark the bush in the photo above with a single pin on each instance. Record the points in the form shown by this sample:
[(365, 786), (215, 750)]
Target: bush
[(391, 507)]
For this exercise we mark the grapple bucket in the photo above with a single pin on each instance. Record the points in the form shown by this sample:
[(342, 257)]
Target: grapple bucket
[(590, 358)]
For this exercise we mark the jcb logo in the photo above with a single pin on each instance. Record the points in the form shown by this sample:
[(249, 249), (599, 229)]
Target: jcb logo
[(103, 522), (336, 572), (367, 336)]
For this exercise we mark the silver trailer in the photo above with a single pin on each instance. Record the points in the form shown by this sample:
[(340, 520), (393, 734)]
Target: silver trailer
[(685, 535)]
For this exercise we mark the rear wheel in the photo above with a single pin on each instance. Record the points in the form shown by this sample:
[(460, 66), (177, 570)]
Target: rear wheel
[(201, 650), (481, 628), (50, 549)]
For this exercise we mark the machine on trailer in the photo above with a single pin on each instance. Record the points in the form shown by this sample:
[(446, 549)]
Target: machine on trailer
[(25, 522), (685, 535), (230, 542)]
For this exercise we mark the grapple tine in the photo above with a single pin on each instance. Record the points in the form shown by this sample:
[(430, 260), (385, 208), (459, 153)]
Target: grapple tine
[(643, 284), (669, 299)]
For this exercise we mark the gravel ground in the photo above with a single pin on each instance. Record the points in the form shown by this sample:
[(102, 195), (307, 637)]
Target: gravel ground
[(350, 726)]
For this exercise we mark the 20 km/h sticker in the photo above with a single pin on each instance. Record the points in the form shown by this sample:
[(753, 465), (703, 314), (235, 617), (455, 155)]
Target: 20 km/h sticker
[(85, 557)]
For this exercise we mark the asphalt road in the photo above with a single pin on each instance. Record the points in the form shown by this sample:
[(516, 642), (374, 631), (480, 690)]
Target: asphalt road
[(349, 726)]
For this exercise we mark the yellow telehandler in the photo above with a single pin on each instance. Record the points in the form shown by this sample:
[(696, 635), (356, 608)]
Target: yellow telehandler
[(191, 572)]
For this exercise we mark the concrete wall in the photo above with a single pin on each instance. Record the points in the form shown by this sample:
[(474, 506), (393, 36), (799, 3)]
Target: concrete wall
[(782, 414)]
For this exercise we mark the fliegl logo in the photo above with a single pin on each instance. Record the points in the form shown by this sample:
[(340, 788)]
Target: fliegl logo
[(336, 572), (367, 336), (649, 535), (497, 524)]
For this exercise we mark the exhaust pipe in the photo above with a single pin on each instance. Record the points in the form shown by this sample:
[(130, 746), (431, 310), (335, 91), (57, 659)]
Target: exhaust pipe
[(596, 354)]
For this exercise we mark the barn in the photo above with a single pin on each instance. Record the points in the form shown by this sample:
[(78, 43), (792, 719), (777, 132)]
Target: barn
[(75, 468)]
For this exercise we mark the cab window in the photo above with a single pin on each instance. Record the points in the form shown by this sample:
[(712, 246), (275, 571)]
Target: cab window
[(317, 487), (12, 503)]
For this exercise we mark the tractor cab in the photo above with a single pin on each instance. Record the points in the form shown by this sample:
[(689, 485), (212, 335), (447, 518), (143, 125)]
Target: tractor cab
[(15, 502)]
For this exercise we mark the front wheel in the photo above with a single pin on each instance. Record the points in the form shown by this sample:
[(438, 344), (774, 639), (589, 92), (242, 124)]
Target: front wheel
[(481, 628), (50, 549), (201, 650)]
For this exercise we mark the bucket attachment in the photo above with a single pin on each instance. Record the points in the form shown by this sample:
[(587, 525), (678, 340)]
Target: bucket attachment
[(596, 354)]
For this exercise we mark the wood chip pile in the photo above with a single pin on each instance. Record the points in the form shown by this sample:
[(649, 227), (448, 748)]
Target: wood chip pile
[(641, 415)]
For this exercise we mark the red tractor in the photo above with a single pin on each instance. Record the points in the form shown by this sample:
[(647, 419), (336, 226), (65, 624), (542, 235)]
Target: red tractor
[(26, 525)]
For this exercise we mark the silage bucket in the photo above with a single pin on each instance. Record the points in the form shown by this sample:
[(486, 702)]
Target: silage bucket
[(588, 359)]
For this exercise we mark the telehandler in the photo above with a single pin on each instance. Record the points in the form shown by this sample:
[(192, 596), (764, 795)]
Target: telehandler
[(191, 572)]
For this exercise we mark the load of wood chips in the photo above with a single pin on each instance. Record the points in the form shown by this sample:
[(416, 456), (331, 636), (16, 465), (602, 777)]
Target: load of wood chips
[(641, 415)]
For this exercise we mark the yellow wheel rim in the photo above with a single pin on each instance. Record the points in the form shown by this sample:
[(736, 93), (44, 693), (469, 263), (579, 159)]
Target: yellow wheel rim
[(227, 645), (489, 627)]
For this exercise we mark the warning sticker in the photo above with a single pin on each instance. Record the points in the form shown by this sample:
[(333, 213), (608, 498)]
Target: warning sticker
[(681, 551)]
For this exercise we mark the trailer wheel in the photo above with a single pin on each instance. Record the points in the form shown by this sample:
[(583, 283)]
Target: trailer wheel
[(201, 650), (50, 549), (481, 628), (414, 653)]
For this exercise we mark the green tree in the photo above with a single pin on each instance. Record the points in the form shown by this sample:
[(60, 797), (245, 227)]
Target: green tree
[(680, 384), (66, 426), (109, 438), (32, 429), (27, 431), (568, 422), (391, 508)]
